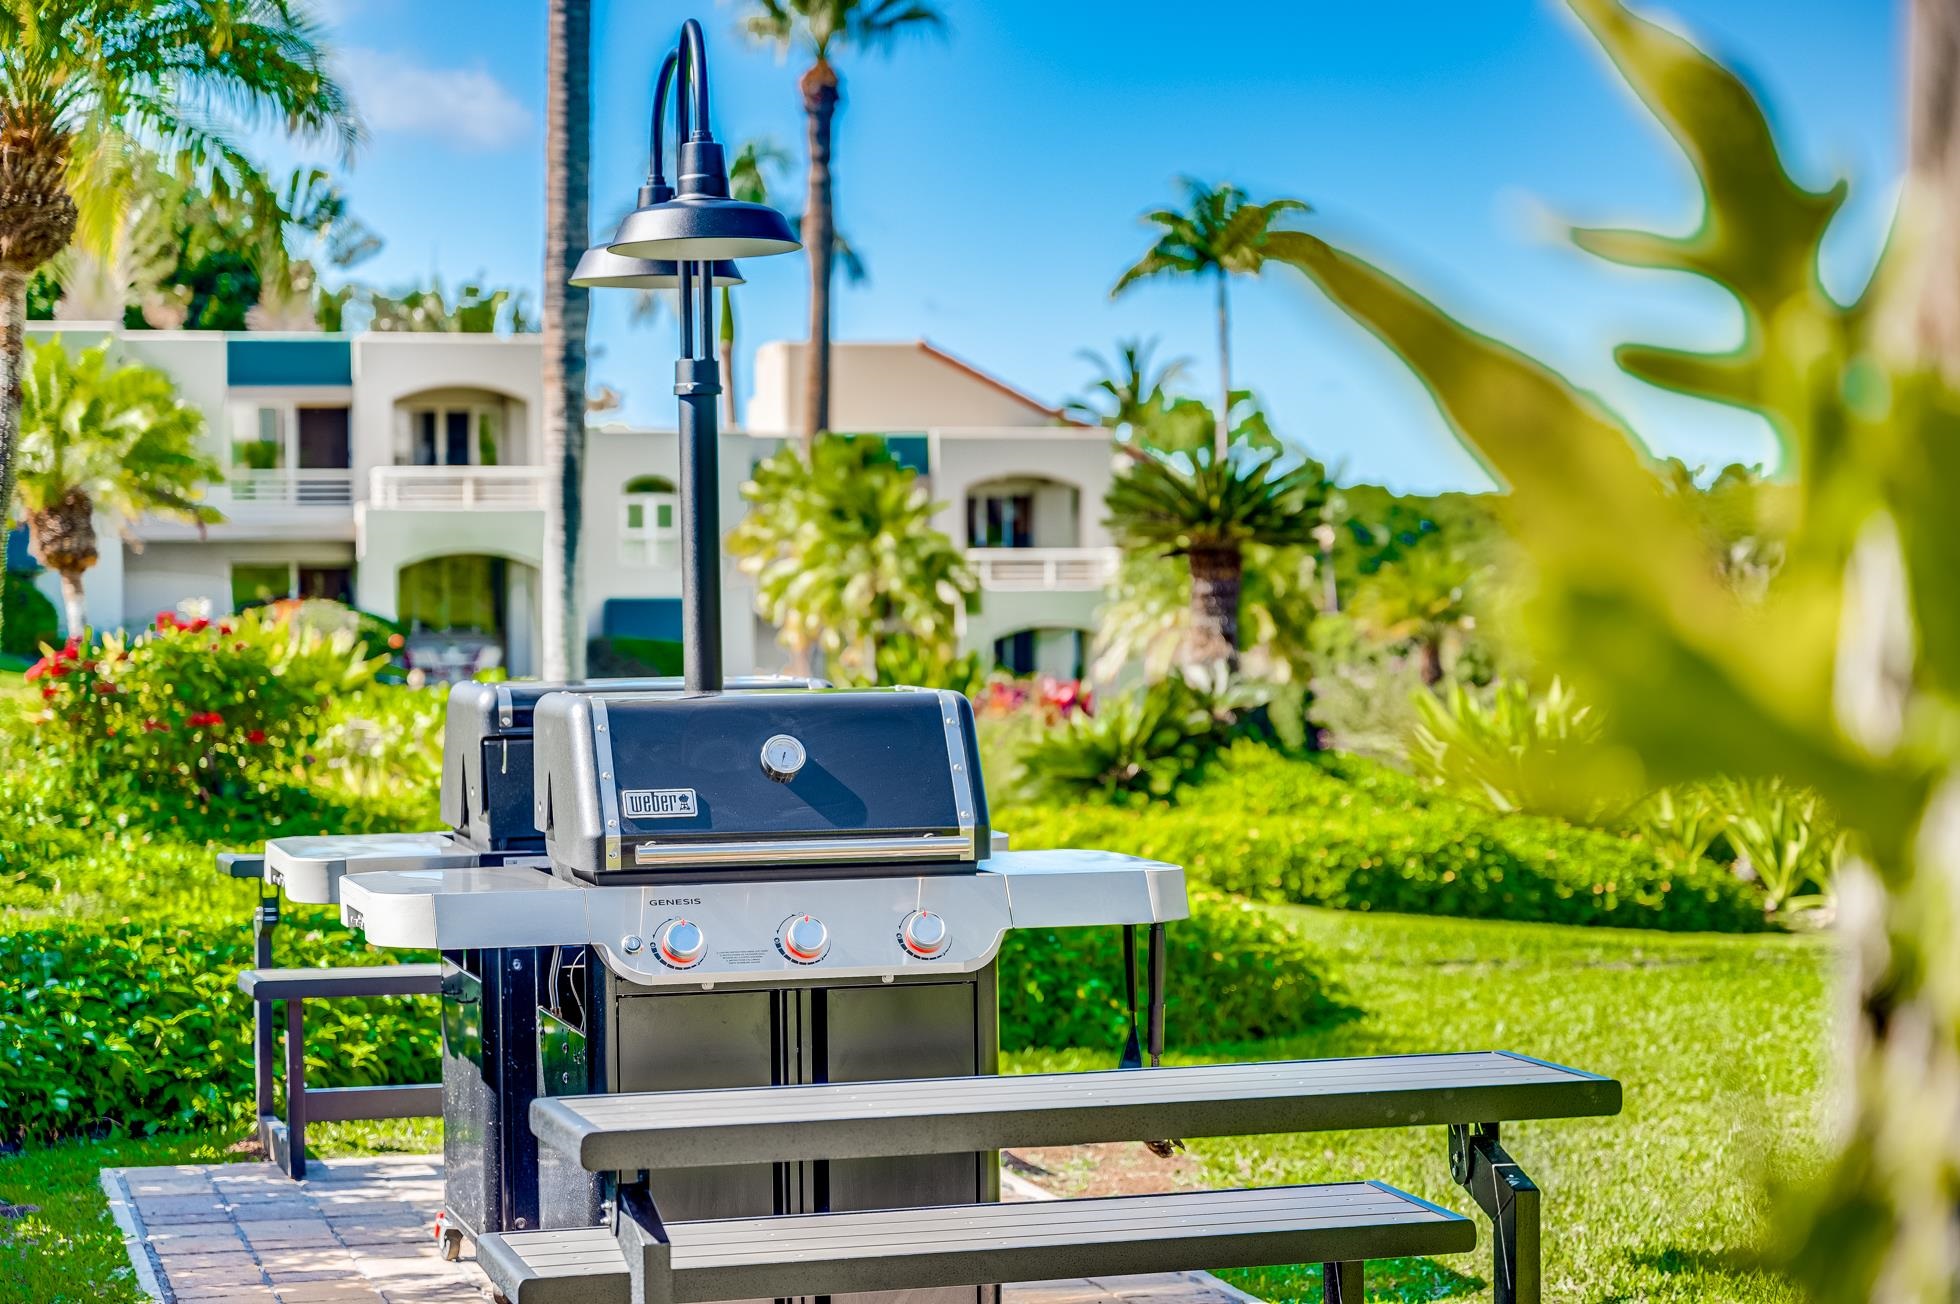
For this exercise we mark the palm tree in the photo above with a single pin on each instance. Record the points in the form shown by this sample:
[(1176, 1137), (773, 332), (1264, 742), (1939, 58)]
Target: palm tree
[(568, 156), (747, 181), (818, 28), (1222, 235), (845, 554), (99, 438), (1130, 391), (1207, 510), (1421, 598), (82, 82)]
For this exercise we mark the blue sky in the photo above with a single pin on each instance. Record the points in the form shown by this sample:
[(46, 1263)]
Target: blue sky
[(993, 182)]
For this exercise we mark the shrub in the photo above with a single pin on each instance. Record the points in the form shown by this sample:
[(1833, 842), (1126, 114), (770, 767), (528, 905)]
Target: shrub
[(196, 710), (29, 619), (1235, 974), (1515, 750), (141, 1027), (1348, 833), (1138, 745)]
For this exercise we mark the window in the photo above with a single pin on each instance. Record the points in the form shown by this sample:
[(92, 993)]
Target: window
[(646, 520), (460, 435), (258, 439), (1000, 520), (253, 584)]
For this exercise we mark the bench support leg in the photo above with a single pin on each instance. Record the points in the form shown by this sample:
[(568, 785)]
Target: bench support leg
[(265, 1037), (295, 1164), (1340, 1283), (1510, 1199), (643, 1239)]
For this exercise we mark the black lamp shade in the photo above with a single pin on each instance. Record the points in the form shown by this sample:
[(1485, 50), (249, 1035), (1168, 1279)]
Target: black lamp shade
[(601, 269), (698, 227)]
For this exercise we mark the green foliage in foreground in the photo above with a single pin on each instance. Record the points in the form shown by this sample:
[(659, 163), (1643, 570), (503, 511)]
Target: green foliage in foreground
[(1719, 1040), (1340, 831)]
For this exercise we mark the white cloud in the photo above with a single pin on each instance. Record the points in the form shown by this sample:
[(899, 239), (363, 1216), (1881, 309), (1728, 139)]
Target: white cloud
[(466, 106)]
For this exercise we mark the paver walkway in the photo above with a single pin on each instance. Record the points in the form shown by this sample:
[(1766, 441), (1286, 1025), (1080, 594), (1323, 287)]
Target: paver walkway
[(361, 1231)]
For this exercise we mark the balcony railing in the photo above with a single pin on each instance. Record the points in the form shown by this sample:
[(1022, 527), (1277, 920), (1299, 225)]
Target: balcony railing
[(1044, 569), (457, 488), (249, 489)]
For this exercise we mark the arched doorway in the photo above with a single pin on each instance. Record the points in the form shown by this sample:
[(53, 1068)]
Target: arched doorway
[(466, 613)]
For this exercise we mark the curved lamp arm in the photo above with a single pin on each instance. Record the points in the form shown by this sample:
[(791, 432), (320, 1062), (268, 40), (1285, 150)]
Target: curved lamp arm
[(657, 133)]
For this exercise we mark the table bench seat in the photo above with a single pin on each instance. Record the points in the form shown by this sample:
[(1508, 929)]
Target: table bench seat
[(963, 1245), (863, 1120)]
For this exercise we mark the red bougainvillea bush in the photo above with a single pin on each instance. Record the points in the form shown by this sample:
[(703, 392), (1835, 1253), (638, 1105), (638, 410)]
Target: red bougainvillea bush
[(196, 709)]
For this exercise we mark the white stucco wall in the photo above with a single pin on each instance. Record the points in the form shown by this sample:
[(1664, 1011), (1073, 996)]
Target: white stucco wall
[(392, 366), (1064, 455), (880, 387)]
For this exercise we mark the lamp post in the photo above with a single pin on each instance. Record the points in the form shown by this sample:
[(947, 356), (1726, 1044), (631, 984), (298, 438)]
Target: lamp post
[(692, 233)]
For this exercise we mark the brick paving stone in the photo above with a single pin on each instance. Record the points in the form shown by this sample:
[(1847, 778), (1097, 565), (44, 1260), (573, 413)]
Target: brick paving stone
[(364, 1233), (221, 1240), (329, 1292), (273, 1210), (305, 1258), (212, 1279), (260, 1295), (161, 1206)]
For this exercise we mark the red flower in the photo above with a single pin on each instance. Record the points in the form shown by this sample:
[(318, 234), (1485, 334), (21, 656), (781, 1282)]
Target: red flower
[(204, 719), (224, 627), (255, 736), (395, 641), (48, 691), (155, 726), (197, 626), (36, 671), (103, 687), (166, 620)]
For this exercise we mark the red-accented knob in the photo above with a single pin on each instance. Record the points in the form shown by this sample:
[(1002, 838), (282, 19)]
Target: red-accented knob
[(924, 934), (681, 943), (804, 938)]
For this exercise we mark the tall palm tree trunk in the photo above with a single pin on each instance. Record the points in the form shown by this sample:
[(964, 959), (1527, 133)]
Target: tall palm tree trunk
[(13, 351), (62, 538), (820, 95), (1217, 575), (568, 148), (730, 408), (1224, 434)]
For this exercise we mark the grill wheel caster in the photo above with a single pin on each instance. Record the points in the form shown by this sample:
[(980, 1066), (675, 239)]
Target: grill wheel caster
[(452, 1247)]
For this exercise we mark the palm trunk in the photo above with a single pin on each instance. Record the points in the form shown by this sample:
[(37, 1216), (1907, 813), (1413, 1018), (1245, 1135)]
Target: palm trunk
[(13, 348), (1430, 648), (820, 95), (74, 605), (731, 410), (568, 146), (1224, 373), (1217, 575)]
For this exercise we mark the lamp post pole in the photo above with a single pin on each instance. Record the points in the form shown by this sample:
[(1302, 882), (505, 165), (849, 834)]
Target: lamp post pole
[(687, 236), (697, 384)]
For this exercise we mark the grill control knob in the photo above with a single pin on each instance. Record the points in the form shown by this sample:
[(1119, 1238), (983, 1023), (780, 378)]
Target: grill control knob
[(804, 938), (924, 934), (782, 757), (680, 943)]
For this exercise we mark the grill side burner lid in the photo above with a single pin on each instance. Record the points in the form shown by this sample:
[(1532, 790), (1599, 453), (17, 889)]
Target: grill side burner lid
[(642, 788), (486, 752)]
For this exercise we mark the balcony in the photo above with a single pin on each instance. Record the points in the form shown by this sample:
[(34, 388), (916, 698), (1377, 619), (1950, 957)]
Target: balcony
[(457, 488), (281, 489), (1044, 570)]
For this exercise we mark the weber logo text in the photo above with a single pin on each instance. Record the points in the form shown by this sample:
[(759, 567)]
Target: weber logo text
[(658, 803)]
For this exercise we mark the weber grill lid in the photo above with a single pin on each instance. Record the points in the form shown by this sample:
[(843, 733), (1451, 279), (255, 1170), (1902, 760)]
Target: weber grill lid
[(863, 777), (486, 758)]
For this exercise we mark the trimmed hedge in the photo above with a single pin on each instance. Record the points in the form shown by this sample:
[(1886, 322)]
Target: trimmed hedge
[(1348, 833), (140, 1027), (1236, 973)]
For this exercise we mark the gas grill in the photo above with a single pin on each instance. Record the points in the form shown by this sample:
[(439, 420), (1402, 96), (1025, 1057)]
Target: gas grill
[(743, 889)]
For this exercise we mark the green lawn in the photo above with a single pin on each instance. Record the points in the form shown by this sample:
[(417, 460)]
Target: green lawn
[(1720, 1042)]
